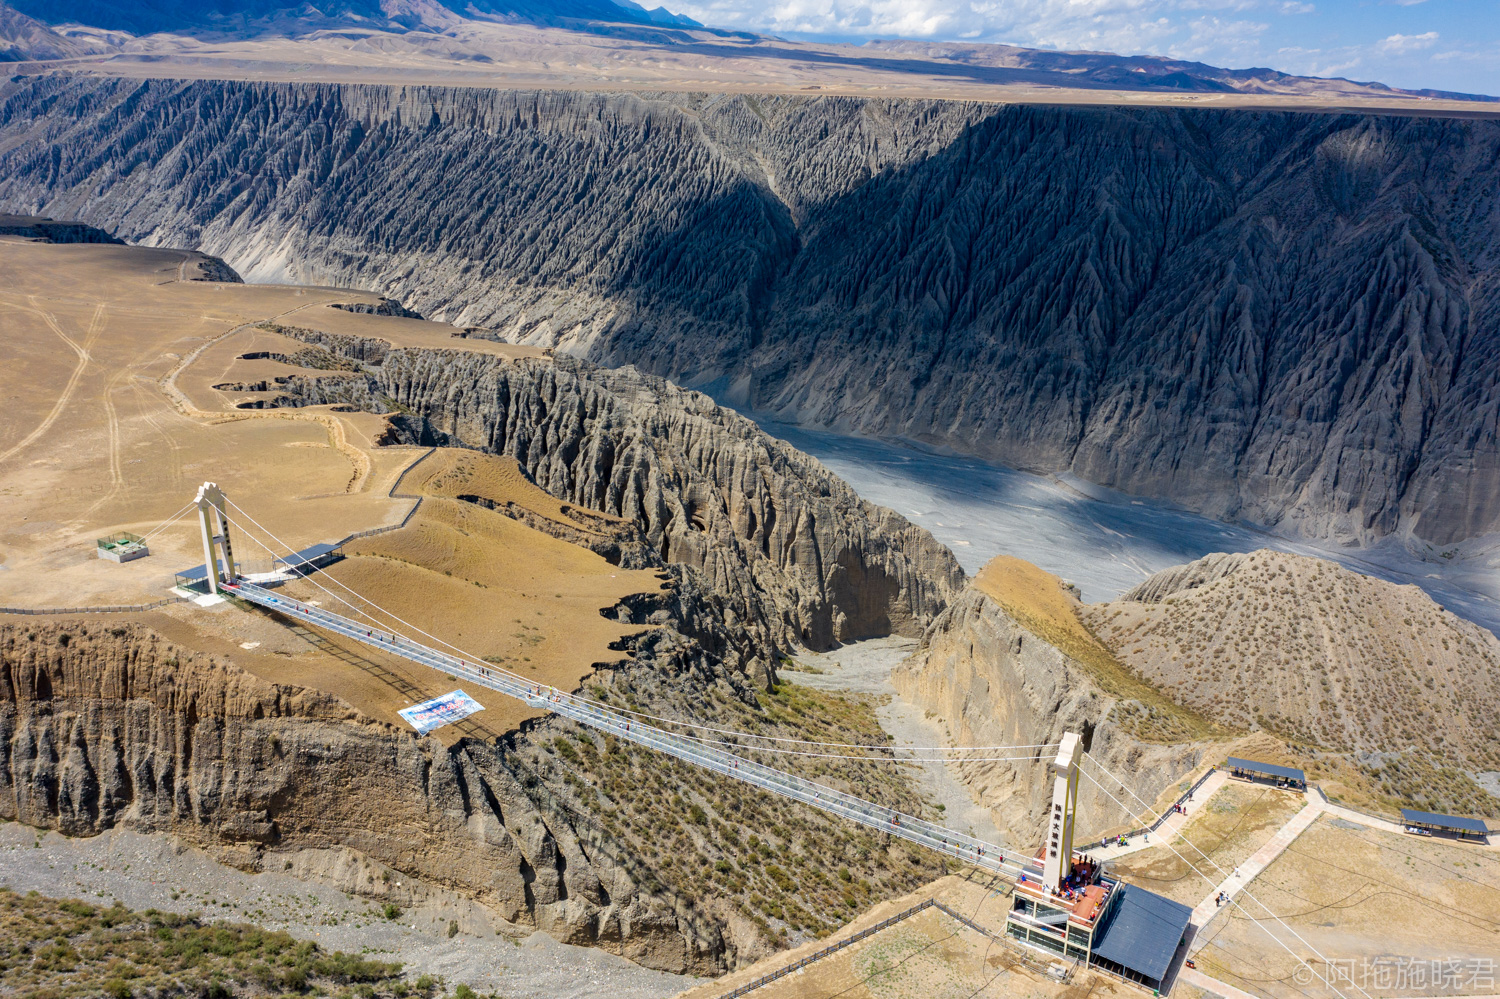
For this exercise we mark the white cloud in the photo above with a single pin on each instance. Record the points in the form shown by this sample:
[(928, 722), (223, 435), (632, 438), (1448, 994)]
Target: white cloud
[(1211, 37), (1175, 27), (1403, 44), (1302, 37)]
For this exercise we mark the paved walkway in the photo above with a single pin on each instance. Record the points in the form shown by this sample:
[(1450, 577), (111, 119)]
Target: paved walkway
[(1386, 825), (1248, 871), (1171, 826), (1198, 979), (1218, 987), (1258, 861)]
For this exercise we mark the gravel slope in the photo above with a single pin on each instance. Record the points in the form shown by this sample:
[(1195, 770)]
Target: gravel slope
[(145, 872)]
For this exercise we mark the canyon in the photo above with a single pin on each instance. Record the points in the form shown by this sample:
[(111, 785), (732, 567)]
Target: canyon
[(680, 554), (1282, 320), (1277, 318)]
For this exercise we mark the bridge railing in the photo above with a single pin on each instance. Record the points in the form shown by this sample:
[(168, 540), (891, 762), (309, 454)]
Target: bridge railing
[(968, 849)]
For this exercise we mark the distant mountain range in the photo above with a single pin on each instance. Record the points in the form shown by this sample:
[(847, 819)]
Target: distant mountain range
[(25, 24), (445, 35), (1129, 72)]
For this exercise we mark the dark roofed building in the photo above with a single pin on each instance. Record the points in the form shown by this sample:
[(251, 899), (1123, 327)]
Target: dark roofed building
[(1447, 825), (315, 557), (1273, 773), (1139, 935), (1126, 931)]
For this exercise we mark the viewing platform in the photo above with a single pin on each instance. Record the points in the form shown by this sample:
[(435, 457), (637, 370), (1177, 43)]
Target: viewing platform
[(1084, 896), (1094, 919)]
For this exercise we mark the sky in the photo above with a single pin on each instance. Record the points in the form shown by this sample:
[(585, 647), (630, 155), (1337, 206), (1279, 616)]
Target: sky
[(1438, 44)]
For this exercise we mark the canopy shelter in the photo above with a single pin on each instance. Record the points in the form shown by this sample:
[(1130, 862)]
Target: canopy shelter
[(1140, 936), (1444, 825), (194, 578), (1271, 773), (309, 559)]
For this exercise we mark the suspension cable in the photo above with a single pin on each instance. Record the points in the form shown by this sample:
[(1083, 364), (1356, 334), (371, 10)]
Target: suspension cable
[(848, 756), (590, 701), (168, 522), (1245, 890), (1233, 898)]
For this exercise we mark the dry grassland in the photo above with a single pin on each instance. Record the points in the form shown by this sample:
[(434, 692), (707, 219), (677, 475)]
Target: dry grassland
[(1228, 828), (113, 419), (927, 956), (96, 440), (499, 590), (1383, 904)]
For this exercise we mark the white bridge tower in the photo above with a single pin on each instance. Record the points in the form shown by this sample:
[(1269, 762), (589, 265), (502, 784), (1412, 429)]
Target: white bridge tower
[(1057, 860), (218, 559)]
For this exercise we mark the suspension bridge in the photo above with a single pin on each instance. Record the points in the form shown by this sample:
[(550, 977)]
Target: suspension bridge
[(622, 725), (1047, 880)]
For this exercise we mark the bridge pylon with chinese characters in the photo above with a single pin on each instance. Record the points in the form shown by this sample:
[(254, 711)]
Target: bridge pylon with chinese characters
[(1057, 860), (218, 557)]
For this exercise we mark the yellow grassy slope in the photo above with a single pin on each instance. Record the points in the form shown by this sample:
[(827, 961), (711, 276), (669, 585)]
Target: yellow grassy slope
[(488, 584), (98, 438), (1037, 600)]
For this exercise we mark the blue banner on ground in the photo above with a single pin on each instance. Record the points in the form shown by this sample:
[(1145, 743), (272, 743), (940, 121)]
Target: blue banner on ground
[(440, 711)]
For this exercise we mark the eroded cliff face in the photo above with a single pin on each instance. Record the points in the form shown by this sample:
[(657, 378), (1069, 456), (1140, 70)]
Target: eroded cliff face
[(790, 553), (104, 727), (996, 683), (587, 838), (590, 840), (1288, 319)]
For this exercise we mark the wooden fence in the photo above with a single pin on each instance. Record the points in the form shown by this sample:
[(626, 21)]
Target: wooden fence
[(103, 609), (863, 934)]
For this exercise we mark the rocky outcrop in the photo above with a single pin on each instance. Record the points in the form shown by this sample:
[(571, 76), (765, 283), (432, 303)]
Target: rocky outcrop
[(111, 727), (986, 671), (53, 231), (202, 267), (1286, 319), (384, 307), (793, 554), (1181, 578)]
